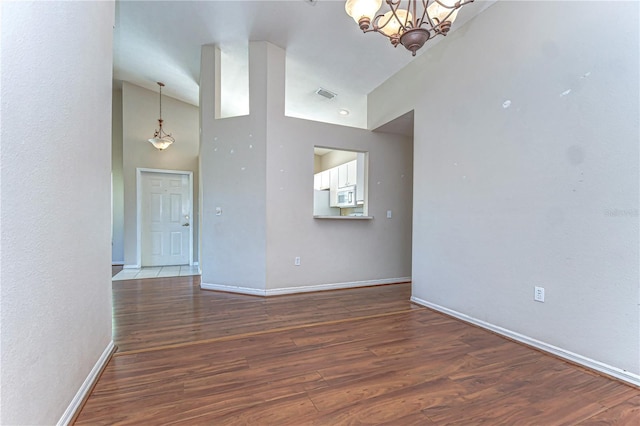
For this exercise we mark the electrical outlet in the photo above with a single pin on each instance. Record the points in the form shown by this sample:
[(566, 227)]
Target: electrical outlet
[(538, 294), (296, 261)]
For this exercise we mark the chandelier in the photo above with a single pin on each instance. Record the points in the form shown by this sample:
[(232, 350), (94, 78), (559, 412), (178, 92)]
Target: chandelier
[(161, 140), (409, 23)]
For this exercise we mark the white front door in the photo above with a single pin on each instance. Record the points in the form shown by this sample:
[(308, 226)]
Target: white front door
[(165, 220)]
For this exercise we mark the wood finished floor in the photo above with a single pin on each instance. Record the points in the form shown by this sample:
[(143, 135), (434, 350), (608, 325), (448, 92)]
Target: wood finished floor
[(115, 269), (361, 356)]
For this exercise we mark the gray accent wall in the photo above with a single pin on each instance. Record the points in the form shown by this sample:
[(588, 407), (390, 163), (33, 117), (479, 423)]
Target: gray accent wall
[(526, 153)]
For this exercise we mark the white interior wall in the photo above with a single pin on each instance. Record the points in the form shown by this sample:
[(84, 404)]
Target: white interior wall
[(232, 155), (336, 251), (317, 163), (336, 158), (56, 278), (331, 251), (259, 170), (527, 146), (140, 120)]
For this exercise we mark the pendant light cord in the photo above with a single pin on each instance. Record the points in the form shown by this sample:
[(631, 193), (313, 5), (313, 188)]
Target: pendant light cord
[(160, 101)]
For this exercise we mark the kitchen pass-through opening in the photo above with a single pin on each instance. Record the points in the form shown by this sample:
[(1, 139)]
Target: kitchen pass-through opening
[(339, 182)]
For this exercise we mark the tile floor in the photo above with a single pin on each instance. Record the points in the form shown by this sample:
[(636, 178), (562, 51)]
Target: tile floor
[(156, 272)]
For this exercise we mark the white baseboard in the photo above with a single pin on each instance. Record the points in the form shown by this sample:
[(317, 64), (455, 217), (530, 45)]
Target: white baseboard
[(233, 289), (85, 389), (131, 267), (335, 286), (598, 366), (301, 289)]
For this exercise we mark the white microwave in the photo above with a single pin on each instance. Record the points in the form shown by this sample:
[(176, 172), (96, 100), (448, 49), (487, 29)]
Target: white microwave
[(346, 197)]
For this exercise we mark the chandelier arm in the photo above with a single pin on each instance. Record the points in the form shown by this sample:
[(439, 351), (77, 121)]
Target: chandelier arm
[(425, 4), (457, 5), (434, 22), (375, 27), (162, 133), (393, 11), (437, 27), (461, 2)]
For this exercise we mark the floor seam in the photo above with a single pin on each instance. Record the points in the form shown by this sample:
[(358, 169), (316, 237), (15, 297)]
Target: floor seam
[(259, 333)]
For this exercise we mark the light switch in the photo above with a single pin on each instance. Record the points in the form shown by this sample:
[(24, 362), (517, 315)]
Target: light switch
[(389, 214), (218, 211)]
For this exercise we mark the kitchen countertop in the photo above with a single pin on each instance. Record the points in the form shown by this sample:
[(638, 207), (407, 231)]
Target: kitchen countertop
[(344, 217)]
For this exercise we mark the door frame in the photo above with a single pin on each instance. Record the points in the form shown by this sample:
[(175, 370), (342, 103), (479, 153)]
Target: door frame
[(139, 171)]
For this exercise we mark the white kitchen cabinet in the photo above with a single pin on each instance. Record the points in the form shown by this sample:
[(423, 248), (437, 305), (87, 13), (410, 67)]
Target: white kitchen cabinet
[(322, 180), (325, 179), (333, 187), (347, 174), (360, 186), (352, 169), (342, 176)]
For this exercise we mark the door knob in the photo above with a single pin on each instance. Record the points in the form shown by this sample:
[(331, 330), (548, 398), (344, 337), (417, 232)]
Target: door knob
[(185, 224)]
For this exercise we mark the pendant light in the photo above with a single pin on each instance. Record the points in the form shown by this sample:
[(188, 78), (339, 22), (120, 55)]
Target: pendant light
[(161, 140)]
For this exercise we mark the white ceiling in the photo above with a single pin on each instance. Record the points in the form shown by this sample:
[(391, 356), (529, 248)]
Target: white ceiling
[(161, 40)]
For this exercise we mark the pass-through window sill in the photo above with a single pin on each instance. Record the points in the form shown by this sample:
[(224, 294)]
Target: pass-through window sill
[(344, 217)]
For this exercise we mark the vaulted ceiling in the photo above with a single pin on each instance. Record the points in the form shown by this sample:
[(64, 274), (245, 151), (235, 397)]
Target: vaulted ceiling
[(161, 40)]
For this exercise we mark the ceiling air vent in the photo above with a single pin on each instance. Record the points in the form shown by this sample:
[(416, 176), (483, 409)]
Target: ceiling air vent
[(326, 93)]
